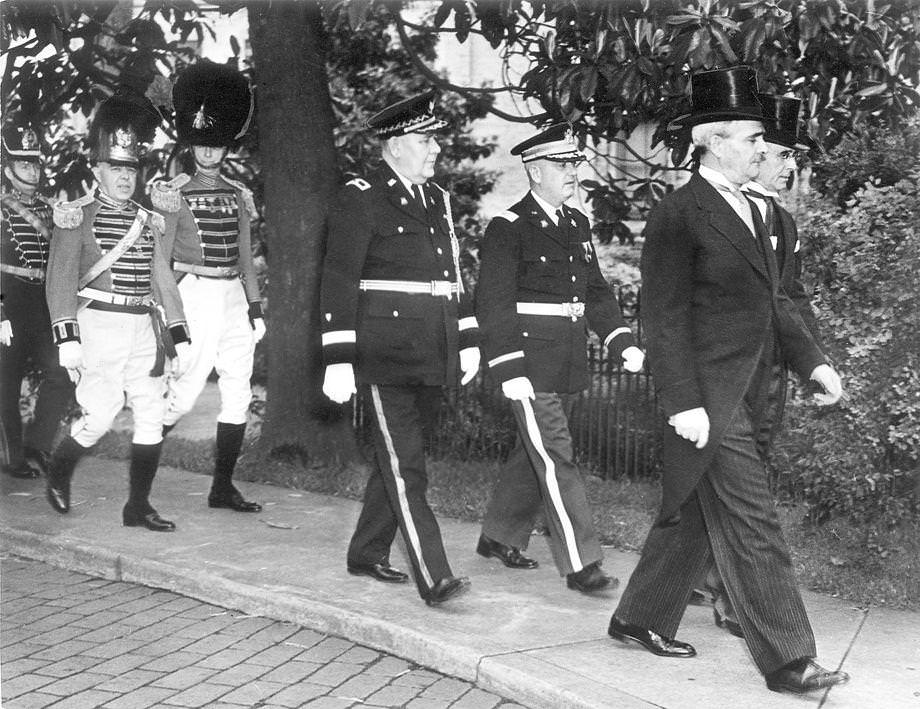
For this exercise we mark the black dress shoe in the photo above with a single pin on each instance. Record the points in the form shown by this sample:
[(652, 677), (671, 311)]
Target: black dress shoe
[(150, 520), (58, 495), (804, 676), (509, 556), (446, 588), (649, 639), (590, 579), (730, 624), (22, 470), (233, 501), (381, 571)]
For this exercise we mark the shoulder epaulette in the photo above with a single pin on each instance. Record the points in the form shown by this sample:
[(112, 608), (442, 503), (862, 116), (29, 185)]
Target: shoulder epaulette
[(245, 194), (166, 195), (69, 215), (508, 215), (360, 183)]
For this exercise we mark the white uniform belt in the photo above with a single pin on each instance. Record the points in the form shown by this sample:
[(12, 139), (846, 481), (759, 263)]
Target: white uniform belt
[(208, 271), (445, 288), (37, 274), (115, 298), (565, 310)]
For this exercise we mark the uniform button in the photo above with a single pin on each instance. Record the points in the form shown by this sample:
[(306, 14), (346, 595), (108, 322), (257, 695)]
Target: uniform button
[(570, 259), (573, 279), (440, 251), (431, 229), (395, 313), (543, 259), (328, 317), (399, 229), (446, 274), (524, 334), (574, 298)]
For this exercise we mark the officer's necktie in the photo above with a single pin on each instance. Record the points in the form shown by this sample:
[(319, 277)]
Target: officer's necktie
[(417, 191), (562, 222)]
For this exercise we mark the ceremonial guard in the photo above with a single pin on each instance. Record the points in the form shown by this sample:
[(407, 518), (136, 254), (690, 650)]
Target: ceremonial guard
[(540, 289), (397, 322), (108, 281), (209, 246), (25, 238)]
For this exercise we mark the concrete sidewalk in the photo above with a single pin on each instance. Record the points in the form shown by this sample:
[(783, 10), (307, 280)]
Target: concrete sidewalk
[(521, 634)]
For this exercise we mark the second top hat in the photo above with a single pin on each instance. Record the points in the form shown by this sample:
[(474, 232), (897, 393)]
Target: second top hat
[(722, 95), (781, 122)]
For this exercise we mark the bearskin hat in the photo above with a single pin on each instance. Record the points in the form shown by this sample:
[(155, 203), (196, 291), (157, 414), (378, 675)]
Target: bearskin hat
[(121, 124), (213, 105)]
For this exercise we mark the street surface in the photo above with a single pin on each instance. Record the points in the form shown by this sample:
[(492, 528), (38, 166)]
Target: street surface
[(77, 642)]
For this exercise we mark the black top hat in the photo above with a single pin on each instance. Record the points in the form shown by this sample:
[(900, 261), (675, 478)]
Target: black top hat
[(722, 95), (411, 115), (122, 123), (214, 105), (21, 141), (556, 143), (781, 122)]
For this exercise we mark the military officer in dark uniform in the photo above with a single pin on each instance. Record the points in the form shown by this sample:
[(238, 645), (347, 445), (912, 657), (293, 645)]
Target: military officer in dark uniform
[(398, 323), (25, 237), (540, 289)]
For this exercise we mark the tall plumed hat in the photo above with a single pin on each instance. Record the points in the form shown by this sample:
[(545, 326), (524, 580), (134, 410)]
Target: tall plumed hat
[(781, 122), (410, 115), (122, 123), (556, 143), (721, 95), (213, 104), (21, 140)]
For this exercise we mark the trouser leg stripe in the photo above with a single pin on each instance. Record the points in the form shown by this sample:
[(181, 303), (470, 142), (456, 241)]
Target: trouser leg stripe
[(411, 531), (552, 485)]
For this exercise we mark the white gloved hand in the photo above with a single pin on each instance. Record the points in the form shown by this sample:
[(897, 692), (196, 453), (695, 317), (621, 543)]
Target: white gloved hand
[(6, 333), (693, 425), (828, 379), (633, 359), (70, 356), (182, 359), (258, 329), (518, 389), (339, 382), (469, 364)]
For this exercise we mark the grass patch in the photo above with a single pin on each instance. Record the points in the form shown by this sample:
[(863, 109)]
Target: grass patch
[(864, 565)]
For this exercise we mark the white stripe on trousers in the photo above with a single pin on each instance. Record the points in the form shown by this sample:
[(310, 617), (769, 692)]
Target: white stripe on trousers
[(411, 531), (552, 485)]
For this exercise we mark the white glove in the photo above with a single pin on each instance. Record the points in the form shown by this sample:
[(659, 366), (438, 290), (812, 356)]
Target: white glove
[(339, 382), (633, 359), (70, 356), (693, 425), (828, 379), (182, 359), (6, 333), (469, 364), (518, 389), (258, 329)]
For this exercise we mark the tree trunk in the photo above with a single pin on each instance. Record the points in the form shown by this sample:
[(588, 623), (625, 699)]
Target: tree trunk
[(298, 160)]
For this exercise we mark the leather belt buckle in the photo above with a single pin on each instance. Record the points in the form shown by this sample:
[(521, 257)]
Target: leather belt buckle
[(574, 310), (441, 288)]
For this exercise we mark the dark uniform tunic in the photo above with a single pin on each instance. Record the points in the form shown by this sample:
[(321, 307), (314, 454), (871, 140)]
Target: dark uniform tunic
[(403, 345), (528, 262), (25, 237)]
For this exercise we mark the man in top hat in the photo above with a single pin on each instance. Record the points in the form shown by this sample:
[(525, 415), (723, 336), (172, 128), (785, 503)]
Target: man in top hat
[(211, 253), (107, 280), (540, 289), (716, 314), (398, 323), (25, 237)]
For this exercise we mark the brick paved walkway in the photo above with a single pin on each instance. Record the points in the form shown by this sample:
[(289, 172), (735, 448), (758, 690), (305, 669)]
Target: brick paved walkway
[(74, 641)]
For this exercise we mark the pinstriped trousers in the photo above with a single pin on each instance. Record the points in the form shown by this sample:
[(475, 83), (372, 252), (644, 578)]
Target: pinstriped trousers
[(395, 494), (731, 519), (541, 472)]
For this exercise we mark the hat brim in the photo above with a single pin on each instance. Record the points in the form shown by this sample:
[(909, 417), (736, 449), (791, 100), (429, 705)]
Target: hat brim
[(689, 120)]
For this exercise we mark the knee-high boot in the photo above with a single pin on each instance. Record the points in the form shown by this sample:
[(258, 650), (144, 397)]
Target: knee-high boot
[(60, 472), (223, 493), (138, 512)]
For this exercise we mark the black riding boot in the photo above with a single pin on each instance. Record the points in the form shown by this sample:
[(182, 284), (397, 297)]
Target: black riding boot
[(60, 471), (223, 493), (139, 512)]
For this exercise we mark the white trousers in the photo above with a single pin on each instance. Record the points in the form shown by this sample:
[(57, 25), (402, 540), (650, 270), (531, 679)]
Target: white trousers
[(222, 339), (119, 350)]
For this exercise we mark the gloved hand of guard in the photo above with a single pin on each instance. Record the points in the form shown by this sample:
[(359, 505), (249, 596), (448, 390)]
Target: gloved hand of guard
[(339, 382), (258, 329), (6, 333), (70, 356), (469, 364), (633, 359), (518, 389), (828, 379), (183, 358), (693, 425)]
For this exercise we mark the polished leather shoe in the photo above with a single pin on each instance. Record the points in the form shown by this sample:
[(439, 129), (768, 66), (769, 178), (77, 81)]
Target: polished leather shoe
[(650, 640), (233, 501), (58, 495), (446, 588), (150, 520), (22, 470), (730, 624), (804, 676), (509, 556), (590, 579), (381, 571)]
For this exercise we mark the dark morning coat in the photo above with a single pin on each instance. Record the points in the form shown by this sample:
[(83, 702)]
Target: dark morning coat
[(377, 231), (710, 305), (526, 258)]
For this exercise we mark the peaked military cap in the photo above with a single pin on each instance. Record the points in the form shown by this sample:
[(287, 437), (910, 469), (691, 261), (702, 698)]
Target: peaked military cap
[(556, 143), (214, 105), (411, 115), (122, 123), (722, 95), (21, 141), (781, 122)]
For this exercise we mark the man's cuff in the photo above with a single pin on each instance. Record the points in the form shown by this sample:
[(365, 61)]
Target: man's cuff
[(508, 366), (65, 331), (619, 340), (255, 311), (339, 347), (180, 333), (469, 332)]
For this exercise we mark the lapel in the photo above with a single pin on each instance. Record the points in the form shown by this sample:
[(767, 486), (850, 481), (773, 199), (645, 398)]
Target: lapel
[(399, 196), (789, 236), (724, 220), (533, 213)]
